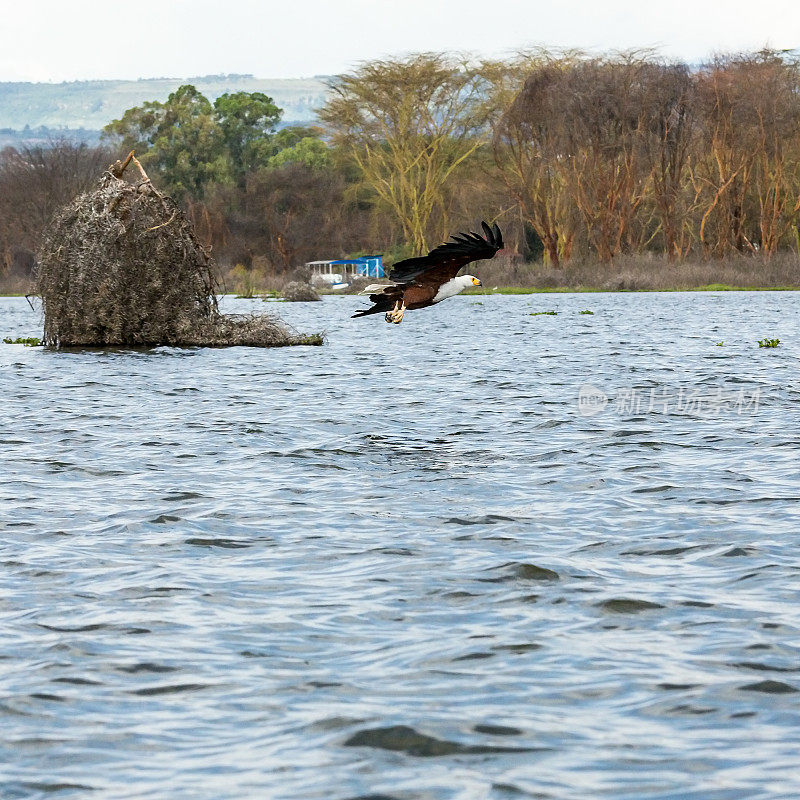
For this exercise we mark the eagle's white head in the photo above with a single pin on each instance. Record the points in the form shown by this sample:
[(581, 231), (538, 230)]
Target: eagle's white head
[(455, 286)]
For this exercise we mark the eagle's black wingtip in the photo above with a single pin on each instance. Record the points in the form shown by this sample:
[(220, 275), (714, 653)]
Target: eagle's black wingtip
[(498, 237), (494, 237)]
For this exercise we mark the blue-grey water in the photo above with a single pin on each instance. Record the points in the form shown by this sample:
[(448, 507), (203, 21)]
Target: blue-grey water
[(408, 564)]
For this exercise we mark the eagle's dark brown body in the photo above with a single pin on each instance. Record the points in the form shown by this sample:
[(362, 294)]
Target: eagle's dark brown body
[(425, 280), (410, 295)]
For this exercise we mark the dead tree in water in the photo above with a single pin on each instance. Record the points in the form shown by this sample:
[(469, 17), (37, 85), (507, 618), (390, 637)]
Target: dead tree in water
[(121, 265)]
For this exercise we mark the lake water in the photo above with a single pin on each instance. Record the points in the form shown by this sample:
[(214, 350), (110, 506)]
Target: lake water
[(481, 554)]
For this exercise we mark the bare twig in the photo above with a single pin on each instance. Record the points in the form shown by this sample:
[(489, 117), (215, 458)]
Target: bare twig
[(156, 227), (139, 166)]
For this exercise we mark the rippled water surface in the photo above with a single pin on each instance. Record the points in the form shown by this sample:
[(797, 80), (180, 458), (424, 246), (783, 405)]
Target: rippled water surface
[(403, 565)]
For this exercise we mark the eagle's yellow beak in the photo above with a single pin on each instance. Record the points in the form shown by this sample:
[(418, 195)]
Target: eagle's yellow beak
[(477, 282)]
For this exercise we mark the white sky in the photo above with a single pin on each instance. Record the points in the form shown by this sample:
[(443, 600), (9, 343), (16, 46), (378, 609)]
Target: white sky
[(45, 40)]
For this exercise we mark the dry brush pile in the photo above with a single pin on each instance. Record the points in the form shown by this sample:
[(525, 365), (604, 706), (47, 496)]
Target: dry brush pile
[(121, 265), (299, 292)]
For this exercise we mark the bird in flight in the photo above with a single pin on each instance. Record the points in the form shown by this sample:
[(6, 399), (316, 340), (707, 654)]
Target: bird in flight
[(420, 282)]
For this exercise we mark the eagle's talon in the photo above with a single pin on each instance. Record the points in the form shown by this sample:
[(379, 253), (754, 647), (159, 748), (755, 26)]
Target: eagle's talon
[(396, 314)]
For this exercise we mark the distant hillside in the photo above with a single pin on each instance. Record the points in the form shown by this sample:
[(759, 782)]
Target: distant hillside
[(90, 105)]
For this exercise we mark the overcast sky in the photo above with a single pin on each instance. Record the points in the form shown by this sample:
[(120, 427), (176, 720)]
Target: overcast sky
[(41, 40)]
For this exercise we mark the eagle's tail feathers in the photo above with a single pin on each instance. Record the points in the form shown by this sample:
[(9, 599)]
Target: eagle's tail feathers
[(382, 303), (363, 312)]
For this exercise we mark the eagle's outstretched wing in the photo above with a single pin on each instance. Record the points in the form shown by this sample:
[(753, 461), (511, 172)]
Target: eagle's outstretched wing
[(444, 261)]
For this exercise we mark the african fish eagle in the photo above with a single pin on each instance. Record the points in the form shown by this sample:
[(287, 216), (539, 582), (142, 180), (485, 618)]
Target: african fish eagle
[(425, 280)]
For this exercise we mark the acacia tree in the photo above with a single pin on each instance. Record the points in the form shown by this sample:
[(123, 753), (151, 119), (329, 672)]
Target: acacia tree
[(595, 150), (604, 119), (747, 177), (725, 159), (771, 83), (408, 125)]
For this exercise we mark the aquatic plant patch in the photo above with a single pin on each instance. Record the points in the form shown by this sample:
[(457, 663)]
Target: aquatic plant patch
[(29, 341)]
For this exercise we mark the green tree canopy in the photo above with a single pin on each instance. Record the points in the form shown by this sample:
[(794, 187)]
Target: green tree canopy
[(246, 122), (299, 145), (190, 143)]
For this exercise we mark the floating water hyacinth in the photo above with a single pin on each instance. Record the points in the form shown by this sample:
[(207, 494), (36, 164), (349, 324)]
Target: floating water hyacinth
[(29, 341)]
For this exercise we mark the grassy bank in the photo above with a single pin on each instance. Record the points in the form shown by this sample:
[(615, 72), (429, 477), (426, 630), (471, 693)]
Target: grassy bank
[(654, 273), (713, 287), (651, 273)]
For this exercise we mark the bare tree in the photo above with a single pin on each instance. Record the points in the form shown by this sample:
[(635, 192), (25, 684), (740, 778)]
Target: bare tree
[(35, 182), (596, 148), (530, 152), (605, 120), (776, 117), (300, 214), (746, 176), (667, 136)]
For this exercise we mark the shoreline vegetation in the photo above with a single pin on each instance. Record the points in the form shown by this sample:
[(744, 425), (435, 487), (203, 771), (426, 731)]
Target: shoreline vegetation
[(610, 172), (507, 275), (714, 287)]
